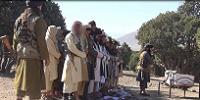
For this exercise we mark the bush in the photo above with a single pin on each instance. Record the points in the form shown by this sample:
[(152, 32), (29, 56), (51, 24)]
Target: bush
[(133, 60)]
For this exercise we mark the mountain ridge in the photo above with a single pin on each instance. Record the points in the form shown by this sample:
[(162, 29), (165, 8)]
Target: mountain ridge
[(131, 40)]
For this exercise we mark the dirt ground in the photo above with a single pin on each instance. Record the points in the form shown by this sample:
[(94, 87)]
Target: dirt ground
[(6, 87), (127, 81)]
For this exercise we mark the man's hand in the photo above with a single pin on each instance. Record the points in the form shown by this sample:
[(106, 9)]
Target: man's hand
[(46, 62), (100, 55)]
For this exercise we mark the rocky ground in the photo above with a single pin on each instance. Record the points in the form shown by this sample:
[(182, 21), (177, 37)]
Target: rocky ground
[(126, 82)]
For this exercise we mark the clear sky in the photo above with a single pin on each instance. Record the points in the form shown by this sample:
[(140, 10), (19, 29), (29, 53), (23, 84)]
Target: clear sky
[(117, 17)]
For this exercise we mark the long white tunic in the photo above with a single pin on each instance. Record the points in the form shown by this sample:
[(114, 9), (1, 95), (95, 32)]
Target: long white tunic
[(98, 63), (73, 67), (51, 70)]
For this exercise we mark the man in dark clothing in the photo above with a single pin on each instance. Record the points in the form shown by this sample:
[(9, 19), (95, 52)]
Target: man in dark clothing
[(93, 26), (62, 46), (32, 53), (6, 54), (5, 58), (94, 29), (91, 54)]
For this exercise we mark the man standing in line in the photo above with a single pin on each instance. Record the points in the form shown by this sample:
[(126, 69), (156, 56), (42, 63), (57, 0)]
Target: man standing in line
[(96, 34), (62, 47), (50, 71), (91, 62), (29, 42), (73, 63)]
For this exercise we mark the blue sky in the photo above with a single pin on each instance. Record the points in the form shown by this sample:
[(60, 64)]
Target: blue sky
[(116, 18)]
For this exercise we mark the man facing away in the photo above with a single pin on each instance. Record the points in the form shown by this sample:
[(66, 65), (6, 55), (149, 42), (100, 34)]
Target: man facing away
[(30, 45), (72, 67)]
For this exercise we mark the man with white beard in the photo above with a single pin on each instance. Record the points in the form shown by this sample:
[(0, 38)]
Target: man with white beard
[(73, 63)]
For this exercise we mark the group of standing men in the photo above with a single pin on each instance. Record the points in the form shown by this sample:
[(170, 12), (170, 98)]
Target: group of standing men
[(91, 64), (82, 64)]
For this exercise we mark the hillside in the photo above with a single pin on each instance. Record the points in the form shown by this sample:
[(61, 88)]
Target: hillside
[(130, 40)]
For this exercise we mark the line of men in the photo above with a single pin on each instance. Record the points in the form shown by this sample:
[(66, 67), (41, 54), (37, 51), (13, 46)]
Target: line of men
[(92, 63), (82, 64)]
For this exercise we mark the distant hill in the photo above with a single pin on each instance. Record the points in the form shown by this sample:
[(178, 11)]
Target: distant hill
[(130, 40)]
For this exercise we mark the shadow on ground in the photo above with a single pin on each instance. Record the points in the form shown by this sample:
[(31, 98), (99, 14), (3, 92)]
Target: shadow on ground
[(9, 75)]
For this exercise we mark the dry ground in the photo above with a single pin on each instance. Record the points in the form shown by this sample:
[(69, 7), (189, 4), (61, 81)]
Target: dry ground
[(127, 81)]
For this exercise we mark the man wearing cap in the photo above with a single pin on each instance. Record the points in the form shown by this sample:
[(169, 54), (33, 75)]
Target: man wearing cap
[(145, 62), (94, 28), (73, 63), (30, 45)]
